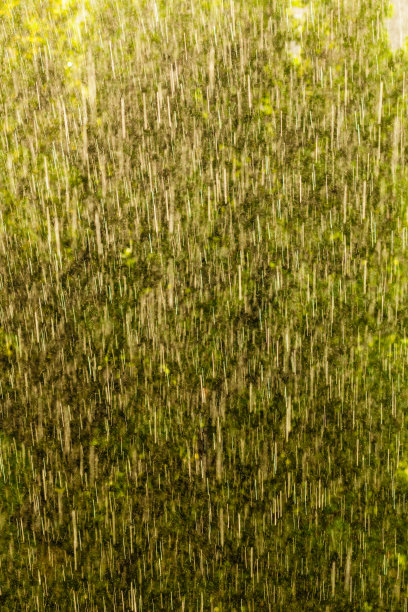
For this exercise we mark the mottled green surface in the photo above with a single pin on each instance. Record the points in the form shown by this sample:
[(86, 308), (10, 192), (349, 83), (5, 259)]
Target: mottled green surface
[(203, 279)]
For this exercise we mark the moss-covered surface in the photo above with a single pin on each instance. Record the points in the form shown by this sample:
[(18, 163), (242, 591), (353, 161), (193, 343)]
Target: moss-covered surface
[(202, 307)]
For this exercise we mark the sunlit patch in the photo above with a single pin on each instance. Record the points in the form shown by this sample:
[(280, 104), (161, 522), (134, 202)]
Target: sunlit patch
[(297, 15), (402, 473), (397, 25)]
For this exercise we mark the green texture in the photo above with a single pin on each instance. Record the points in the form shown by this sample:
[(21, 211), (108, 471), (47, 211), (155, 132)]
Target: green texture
[(203, 275)]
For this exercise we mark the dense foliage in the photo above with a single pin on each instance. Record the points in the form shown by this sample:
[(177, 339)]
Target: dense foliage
[(203, 274)]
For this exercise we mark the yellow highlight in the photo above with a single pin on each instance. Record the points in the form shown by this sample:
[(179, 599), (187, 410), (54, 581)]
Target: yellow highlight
[(402, 560)]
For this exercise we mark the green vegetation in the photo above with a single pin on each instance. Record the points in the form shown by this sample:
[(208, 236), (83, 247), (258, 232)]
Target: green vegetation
[(203, 330)]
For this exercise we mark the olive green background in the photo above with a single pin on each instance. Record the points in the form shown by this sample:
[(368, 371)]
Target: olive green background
[(203, 285)]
